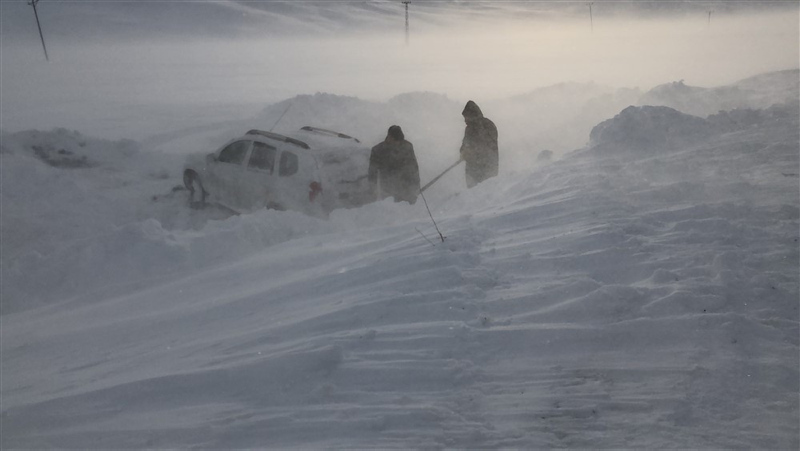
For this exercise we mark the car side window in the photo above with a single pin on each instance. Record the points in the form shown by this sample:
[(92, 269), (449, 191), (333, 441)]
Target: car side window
[(234, 153), (288, 164), (263, 157)]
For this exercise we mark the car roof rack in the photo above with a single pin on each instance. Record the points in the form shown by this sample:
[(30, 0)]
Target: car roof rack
[(278, 137), (309, 128)]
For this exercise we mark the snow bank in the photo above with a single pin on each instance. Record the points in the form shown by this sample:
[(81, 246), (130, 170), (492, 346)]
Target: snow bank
[(696, 100), (649, 129)]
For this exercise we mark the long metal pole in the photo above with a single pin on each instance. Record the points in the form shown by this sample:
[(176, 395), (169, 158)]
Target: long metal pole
[(35, 13), (591, 18), (406, 3), (427, 185)]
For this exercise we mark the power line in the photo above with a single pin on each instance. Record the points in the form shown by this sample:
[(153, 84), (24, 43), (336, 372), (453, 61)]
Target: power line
[(35, 13)]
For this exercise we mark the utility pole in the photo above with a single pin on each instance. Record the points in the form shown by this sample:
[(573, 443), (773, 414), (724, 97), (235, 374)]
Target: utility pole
[(406, 3), (35, 13), (591, 18)]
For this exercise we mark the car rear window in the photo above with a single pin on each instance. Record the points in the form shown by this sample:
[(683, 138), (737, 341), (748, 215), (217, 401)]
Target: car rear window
[(288, 164), (234, 153), (263, 157)]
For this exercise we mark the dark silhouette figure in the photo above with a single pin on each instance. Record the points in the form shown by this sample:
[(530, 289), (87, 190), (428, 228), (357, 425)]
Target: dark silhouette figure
[(393, 168), (479, 147)]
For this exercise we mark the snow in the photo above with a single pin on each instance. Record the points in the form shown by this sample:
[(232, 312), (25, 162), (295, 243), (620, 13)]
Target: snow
[(640, 291)]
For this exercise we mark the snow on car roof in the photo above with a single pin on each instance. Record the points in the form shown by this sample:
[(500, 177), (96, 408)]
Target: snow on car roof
[(318, 139), (279, 137), (322, 140), (324, 132)]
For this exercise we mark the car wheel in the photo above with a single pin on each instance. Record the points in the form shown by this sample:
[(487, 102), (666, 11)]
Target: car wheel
[(197, 195)]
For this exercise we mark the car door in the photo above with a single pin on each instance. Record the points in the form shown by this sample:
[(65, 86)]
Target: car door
[(298, 185), (258, 179), (225, 174)]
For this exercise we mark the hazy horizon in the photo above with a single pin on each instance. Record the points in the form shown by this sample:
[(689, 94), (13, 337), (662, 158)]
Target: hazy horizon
[(491, 51)]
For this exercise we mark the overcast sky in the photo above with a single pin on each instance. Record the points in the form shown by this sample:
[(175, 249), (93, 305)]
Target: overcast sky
[(128, 19)]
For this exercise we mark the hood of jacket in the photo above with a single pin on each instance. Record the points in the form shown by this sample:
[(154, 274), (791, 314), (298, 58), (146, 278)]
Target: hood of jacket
[(472, 110)]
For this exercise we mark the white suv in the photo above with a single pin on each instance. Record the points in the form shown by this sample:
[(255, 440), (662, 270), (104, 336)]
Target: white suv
[(314, 172)]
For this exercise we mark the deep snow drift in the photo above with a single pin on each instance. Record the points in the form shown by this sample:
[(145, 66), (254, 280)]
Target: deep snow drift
[(641, 291)]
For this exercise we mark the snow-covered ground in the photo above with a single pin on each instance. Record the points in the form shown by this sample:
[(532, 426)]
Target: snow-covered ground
[(638, 292)]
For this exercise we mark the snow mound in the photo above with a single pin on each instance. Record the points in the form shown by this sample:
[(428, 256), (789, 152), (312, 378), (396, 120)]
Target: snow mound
[(62, 148), (649, 129), (696, 100)]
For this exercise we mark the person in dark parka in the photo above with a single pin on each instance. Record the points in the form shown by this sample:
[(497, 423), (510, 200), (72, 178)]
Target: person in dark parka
[(393, 168), (479, 147)]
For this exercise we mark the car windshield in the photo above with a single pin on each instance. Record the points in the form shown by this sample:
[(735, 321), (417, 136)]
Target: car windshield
[(234, 153)]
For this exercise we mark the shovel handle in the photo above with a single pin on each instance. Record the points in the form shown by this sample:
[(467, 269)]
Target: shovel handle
[(427, 185)]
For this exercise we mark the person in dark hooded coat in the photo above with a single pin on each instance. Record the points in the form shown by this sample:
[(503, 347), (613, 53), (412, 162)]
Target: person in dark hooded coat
[(393, 168), (479, 147)]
